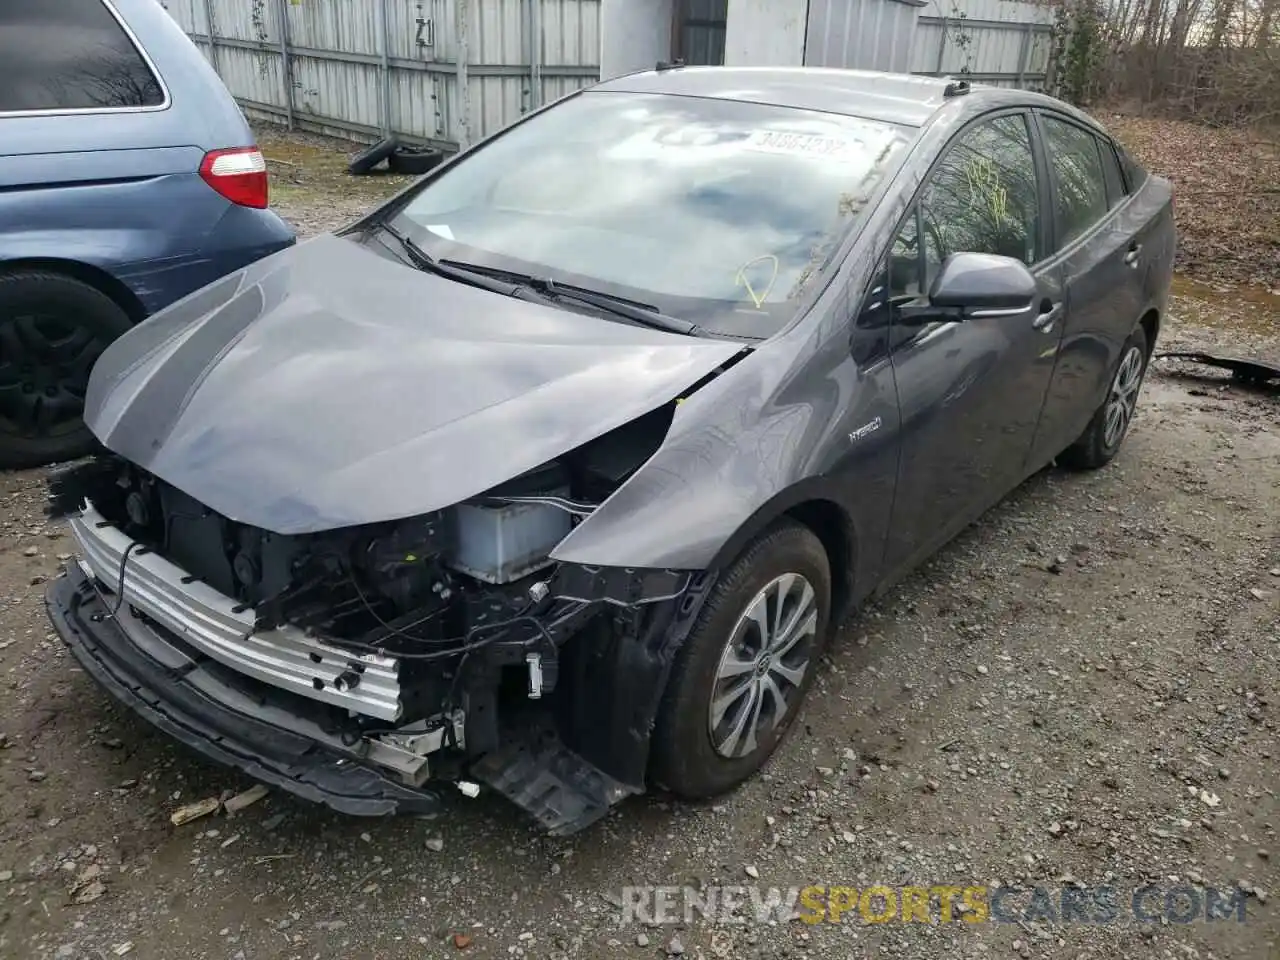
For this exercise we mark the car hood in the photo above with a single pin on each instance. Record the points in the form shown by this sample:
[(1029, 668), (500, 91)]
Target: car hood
[(329, 386)]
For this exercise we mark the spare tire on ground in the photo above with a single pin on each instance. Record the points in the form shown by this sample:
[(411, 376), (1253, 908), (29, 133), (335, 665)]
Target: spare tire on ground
[(366, 160), (414, 160)]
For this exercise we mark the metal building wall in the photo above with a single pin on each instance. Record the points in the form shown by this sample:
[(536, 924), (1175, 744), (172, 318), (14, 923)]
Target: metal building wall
[(864, 34), (447, 72), (1005, 42)]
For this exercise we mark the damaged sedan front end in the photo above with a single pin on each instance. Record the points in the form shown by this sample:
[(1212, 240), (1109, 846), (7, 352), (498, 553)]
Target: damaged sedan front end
[(299, 574), (356, 666)]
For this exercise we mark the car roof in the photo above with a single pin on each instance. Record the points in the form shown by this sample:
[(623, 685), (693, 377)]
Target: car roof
[(888, 97)]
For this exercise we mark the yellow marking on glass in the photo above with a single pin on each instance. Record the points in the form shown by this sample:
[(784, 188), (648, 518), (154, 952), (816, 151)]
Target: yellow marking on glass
[(758, 298), (983, 177)]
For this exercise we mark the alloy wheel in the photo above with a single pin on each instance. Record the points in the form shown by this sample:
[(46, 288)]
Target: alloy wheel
[(1123, 397), (757, 682)]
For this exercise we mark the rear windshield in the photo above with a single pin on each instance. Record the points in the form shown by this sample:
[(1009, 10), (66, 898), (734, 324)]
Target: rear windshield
[(715, 211), (69, 55)]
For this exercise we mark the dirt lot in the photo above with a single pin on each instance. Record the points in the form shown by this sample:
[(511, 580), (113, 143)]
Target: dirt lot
[(1226, 194), (1081, 689)]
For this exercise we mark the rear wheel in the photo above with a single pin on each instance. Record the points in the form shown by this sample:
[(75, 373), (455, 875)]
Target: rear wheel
[(1101, 440), (52, 329), (739, 680)]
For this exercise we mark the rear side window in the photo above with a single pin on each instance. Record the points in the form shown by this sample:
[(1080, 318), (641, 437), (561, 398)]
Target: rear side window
[(1080, 184), (70, 55)]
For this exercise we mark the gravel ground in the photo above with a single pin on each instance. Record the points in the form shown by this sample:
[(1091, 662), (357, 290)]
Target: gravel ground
[(1081, 689)]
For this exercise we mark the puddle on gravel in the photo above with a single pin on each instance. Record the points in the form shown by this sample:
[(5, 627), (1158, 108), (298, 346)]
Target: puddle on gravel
[(1253, 311)]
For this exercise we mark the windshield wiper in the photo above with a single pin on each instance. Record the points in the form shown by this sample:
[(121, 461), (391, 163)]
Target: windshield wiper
[(425, 261), (555, 290)]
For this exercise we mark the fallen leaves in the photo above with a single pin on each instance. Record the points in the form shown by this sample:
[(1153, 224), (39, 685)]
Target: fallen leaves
[(1226, 194)]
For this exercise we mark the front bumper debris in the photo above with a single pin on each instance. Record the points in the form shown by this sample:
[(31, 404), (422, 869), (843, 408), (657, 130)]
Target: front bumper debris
[(196, 700), (215, 626), (198, 664)]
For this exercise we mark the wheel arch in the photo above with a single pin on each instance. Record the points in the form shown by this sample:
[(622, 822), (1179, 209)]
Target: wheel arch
[(1150, 324), (814, 506), (96, 277)]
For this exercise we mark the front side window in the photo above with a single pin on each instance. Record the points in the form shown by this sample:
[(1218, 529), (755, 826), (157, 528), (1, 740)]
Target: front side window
[(70, 55), (981, 198), (1078, 178), (715, 211)]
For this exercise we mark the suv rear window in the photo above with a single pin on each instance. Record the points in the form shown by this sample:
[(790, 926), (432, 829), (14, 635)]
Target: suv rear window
[(70, 55)]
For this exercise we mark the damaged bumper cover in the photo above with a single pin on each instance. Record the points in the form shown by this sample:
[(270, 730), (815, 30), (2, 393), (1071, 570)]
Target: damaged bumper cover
[(195, 701), (217, 627), (189, 659)]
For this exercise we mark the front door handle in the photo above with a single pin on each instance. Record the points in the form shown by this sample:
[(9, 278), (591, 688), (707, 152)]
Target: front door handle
[(1131, 258), (1049, 315)]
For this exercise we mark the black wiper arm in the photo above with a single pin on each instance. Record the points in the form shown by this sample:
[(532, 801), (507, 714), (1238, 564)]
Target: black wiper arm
[(425, 261), (618, 306)]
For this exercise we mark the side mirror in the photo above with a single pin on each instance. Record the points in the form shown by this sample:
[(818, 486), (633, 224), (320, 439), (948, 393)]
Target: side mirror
[(975, 285)]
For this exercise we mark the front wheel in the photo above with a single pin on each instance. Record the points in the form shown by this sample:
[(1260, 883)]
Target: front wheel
[(739, 680), (1101, 440)]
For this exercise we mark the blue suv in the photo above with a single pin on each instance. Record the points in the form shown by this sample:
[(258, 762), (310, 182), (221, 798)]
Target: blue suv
[(128, 179)]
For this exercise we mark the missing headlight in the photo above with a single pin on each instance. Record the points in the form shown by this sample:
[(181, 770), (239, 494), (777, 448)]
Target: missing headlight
[(504, 542), (508, 533)]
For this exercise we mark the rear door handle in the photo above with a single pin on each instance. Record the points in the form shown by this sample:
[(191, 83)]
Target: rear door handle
[(1131, 258), (1045, 320)]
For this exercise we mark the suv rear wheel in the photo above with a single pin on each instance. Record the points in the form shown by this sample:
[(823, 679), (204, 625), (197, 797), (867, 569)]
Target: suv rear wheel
[(52, 329), (739, 680)]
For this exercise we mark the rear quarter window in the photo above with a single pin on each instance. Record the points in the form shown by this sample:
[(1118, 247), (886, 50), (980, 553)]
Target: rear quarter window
[(1116, 191), (1134, 174), (70, 55)]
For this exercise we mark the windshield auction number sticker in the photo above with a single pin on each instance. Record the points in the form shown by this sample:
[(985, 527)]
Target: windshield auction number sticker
[(802, 144)]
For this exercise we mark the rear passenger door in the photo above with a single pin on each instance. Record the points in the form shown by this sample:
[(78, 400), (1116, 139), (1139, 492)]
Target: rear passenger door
[(1098, 246)]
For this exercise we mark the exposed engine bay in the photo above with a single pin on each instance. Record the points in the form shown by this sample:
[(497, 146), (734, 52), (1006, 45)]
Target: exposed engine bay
[(416, 643)]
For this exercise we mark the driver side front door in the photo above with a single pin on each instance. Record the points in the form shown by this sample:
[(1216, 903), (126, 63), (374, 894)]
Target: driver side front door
[(970, 392)]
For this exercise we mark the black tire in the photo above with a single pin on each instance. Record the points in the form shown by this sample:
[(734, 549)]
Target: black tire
[(1098, 444), (414, 161), (52, 329), (366, 160), (684, 757)]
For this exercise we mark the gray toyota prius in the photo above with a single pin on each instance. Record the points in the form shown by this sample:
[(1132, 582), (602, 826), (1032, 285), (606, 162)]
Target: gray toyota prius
[(553, 475)]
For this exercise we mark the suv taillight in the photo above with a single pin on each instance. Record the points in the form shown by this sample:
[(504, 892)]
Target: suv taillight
[(239, 174)]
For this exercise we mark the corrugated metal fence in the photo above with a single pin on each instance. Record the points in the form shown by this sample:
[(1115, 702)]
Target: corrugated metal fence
[(447, 72), (450, 72), (1002, 42)]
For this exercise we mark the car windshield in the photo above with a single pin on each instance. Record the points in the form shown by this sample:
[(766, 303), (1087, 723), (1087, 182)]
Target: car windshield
[(714, 211)]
